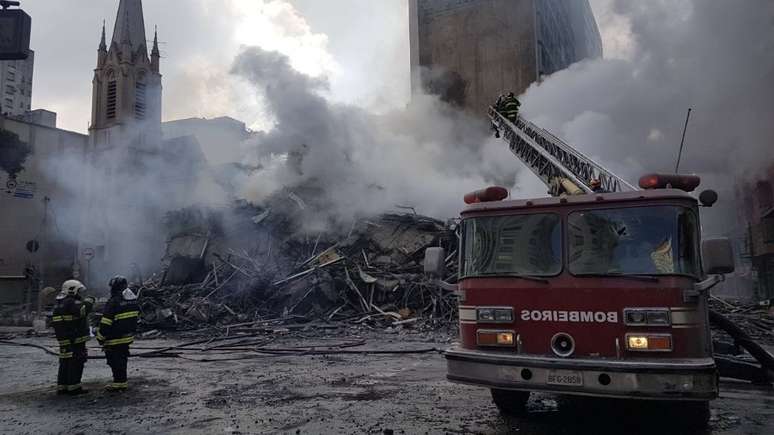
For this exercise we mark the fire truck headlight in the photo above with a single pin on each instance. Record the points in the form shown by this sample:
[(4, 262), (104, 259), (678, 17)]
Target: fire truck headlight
[(659, 318), (649, 342), (505, 338), (495, 315), (636, 317), (636, 342), (505, 315), (486, 314), (645, 316)]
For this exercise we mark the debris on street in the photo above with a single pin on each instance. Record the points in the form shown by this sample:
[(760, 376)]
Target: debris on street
[(251, 264)]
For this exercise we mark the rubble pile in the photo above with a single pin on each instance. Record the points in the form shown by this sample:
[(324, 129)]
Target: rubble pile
[(755, 320), (251, 264)]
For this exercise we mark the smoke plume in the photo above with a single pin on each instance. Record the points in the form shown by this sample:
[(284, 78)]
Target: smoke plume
[(715, 57), (357, 163)]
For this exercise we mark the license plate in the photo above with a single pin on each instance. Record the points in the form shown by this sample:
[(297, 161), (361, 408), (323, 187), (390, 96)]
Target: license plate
[(564, 377)]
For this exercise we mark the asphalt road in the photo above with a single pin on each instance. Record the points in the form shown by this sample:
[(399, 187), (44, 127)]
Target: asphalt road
[(337, 394)]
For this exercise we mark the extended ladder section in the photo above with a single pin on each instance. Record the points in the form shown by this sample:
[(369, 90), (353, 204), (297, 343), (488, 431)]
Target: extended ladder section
[(552, 160)]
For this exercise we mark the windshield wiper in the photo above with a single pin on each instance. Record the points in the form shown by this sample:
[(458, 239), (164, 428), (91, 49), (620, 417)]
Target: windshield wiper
[(634, 276), (516, 275)]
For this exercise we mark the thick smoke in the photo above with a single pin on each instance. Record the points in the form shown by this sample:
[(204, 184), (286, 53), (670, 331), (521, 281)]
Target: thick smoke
[(715, 57), (354, 163)]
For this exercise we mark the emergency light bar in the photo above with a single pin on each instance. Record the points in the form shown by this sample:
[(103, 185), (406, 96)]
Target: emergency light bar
[(490, 194), (687, 183)]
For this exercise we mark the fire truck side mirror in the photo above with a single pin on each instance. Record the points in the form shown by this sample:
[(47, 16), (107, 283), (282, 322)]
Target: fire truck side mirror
[(717, 256), (435, 262)]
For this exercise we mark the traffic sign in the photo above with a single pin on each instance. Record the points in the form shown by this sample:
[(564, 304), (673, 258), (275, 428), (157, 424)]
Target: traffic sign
[(88, 254)]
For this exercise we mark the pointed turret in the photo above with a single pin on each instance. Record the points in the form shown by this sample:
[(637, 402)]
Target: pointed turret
[(155, 54), (102, 51)]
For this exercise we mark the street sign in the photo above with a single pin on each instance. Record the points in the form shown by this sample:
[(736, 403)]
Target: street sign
[(88, 254), (33, 246)]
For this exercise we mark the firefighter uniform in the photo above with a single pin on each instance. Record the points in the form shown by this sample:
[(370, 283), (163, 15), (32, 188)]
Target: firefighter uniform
[(70, 322), (510, 107), (116, 333)]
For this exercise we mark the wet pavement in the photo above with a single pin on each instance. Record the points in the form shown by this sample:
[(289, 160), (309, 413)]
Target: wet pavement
[(323, 394)]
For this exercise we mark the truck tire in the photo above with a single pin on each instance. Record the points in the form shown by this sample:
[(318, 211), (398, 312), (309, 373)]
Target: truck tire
[(510, 402)]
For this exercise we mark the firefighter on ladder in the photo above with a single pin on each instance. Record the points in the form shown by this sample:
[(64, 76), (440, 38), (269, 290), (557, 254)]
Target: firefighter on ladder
[(509, 107), (116, 330), (71, 326)]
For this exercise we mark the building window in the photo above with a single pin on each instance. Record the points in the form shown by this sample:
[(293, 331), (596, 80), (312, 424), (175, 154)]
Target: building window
[(11, 75), (112, 97), (139, 101), (10, 90)]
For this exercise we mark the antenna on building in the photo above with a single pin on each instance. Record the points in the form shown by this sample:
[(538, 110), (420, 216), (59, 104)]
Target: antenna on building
[(682, 142)]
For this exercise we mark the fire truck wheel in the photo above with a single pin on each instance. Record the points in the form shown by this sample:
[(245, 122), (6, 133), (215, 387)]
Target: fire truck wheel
[(510, 402)]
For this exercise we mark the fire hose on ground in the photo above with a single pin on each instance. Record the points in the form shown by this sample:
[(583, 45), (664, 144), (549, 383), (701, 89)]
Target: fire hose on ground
[(256, 351)]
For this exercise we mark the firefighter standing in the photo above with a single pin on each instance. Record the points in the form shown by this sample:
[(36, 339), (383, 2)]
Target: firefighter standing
[(509, 107), (116, 330), (71, 326)]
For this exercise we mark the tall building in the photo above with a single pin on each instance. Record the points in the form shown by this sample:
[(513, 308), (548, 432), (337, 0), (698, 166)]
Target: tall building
[(469, 51), (16, 85)]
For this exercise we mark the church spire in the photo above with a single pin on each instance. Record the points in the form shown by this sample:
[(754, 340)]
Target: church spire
[(130, 25), (102, 42), (155, 53)]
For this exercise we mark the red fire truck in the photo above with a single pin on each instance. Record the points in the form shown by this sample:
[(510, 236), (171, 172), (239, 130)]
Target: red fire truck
[(595, 293)]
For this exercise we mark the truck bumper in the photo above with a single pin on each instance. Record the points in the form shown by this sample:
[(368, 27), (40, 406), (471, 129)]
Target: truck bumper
[(680, 379)]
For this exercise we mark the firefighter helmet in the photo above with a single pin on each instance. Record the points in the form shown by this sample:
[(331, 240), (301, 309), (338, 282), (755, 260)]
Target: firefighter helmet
[(72, 287), (118, 284)]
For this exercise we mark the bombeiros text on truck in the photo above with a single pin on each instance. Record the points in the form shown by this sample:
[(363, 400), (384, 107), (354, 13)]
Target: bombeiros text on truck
[(599, 290)]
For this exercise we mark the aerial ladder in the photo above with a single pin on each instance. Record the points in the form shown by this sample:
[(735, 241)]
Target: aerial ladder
[(561, 167), (567, 171)]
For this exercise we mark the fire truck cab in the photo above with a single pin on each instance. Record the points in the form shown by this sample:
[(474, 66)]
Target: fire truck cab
[(601, 294)]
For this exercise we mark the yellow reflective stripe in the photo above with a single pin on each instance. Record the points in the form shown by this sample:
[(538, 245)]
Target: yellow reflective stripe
[(83, 339), (66, 318), (119, 385), (61, 387), (106, 321), (100, 336), (117, 341), (66, 355), (74, 387), (127, 315), (64, 342)]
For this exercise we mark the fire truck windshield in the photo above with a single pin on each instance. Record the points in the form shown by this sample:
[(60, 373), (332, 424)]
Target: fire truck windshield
[(662, 240), (520, 245)]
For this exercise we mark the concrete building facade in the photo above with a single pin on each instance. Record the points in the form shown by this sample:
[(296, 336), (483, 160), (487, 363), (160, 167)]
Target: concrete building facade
[(40, 203), (756, 213), (470, 51), (16, 85)]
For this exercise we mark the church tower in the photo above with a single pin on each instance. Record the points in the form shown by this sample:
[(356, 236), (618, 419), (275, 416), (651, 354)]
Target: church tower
[(126, 96)]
